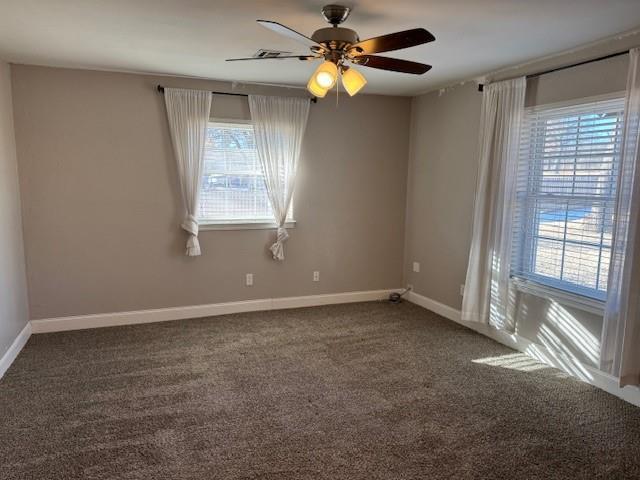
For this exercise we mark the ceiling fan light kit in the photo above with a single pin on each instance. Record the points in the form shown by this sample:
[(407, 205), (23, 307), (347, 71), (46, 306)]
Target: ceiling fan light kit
[(340, 48)]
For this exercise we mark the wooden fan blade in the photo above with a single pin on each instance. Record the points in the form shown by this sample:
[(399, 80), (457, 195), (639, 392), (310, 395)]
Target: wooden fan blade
[(299, 57), (288, 32), (393, 41), (392, 64)]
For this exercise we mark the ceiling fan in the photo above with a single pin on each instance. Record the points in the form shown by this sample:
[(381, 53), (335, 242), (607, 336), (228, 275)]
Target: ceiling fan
[(341, 48)]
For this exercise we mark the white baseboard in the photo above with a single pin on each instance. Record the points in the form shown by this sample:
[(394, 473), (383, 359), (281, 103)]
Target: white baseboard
[(198, 311), (440, 308), (559, 360), (15, 348)]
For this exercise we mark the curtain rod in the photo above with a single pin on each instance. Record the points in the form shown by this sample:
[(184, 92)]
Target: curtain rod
[(161, 90), (564, 67)]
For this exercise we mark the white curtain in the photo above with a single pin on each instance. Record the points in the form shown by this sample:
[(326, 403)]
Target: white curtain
[(279, 124), (188, 112), (620, 354), (487, 293)]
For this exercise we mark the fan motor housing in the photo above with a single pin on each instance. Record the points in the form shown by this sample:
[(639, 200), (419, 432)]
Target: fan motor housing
[(335, 38)]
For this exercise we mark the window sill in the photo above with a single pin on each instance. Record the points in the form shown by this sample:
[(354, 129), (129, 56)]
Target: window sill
[(567, 299), (243, 225)]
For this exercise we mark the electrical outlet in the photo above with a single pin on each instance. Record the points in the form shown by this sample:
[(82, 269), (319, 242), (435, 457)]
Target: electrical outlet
[(410, 287), (462, 289), (316, 276), (249, 280), (416, 267)]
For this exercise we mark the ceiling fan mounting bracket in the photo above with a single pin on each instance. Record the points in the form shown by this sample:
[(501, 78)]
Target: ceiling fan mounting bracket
[(335, 14)]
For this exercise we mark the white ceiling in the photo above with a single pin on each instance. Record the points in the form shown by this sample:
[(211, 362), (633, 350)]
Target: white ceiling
[(193, 37)]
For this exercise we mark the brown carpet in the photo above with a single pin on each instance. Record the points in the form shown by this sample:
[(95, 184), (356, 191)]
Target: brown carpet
[(360, 391)]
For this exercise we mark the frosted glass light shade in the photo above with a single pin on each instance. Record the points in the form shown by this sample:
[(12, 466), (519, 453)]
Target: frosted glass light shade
[(315, 89), (353, 81), (326, 75)]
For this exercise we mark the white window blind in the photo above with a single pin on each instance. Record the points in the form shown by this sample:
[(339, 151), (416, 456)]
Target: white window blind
[(233, 188), (566, 187)]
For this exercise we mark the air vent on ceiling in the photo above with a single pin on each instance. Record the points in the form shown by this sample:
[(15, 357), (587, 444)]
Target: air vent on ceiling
[(269, 53)]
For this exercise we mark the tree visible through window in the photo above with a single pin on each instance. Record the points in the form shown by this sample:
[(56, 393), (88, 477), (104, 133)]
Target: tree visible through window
[(566, 188), (233, 188)]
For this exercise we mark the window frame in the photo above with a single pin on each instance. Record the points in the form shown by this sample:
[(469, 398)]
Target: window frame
[(549, 287), (247, 223)]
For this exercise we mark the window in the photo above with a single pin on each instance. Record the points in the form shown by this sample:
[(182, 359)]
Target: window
[(566, 188), (233, 188)]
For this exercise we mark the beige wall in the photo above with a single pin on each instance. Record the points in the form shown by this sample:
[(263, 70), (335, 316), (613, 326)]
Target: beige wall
[(101, 199), (442, 169), (441, 188), (14, 312)]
